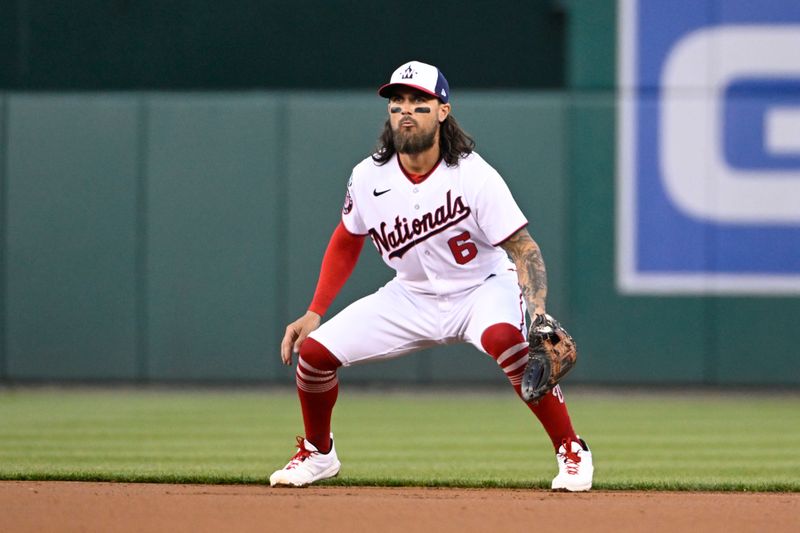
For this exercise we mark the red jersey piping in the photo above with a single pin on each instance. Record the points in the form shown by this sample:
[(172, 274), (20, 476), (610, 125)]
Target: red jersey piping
[(510, 234)]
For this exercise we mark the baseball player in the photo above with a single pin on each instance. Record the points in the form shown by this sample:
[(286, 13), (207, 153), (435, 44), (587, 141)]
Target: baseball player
[(467, 271)]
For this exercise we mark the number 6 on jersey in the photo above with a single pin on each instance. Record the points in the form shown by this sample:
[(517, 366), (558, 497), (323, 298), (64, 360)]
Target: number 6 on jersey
[(463, 249)]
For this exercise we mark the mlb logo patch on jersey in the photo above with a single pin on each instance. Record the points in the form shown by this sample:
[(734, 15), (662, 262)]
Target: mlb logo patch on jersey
[(708, 147)]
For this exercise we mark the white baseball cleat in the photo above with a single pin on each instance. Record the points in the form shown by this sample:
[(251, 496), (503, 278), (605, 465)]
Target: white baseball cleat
[(307, 466), (575, 468)]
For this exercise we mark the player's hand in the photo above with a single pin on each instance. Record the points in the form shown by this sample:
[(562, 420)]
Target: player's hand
[(296, 333)]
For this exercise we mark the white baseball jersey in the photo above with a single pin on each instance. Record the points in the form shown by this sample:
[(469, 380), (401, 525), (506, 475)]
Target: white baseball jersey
[(439, 235)]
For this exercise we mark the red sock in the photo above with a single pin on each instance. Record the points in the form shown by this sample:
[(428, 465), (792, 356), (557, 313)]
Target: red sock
[(552, 413), (507, 345), (318, 388)]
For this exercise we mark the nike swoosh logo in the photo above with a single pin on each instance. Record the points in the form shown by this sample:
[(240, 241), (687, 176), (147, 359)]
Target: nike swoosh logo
[(376, 193)]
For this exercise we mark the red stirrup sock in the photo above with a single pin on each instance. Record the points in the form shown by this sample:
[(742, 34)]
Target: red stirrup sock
[(552, 413), (318, 388), (507, 345)]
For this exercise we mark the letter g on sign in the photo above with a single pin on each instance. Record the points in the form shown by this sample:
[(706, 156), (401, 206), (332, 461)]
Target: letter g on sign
[(696, 176)]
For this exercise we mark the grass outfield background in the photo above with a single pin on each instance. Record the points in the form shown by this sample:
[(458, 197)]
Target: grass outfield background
[(693, 441)]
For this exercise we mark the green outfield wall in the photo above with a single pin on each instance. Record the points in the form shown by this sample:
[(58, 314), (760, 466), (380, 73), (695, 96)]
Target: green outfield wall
[(170, 237), (156, 236)]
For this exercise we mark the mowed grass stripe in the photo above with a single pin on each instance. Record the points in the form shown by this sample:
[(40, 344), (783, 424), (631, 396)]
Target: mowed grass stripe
[(667, 442)]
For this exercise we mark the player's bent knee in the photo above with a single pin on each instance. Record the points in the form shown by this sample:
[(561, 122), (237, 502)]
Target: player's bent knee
[(498, 338), (315, 354)]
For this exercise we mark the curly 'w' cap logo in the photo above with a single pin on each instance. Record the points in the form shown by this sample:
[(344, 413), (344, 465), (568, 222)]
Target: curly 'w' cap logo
[(408, 73)]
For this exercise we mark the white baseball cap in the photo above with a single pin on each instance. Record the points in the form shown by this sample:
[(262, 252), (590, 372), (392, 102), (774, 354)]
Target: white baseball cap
[(418, 75)]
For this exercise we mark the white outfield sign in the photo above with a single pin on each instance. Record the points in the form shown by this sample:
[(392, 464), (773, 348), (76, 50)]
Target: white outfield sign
[(709, 147)]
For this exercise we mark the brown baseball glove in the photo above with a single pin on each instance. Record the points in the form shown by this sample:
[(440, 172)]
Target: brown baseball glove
[(551, 354)]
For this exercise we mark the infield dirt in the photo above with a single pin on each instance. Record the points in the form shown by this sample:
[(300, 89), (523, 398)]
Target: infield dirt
[(122, 507)]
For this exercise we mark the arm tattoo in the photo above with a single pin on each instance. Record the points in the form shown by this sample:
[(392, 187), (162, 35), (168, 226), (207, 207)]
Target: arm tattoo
[(531, 271)]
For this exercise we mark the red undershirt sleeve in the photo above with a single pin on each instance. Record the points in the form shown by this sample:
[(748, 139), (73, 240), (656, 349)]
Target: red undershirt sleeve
[(337, 264)]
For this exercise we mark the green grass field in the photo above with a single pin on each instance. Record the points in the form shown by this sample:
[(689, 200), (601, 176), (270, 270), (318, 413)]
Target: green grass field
[(640, 441)]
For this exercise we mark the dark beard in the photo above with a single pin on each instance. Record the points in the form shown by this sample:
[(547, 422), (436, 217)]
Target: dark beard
[(413, 143)]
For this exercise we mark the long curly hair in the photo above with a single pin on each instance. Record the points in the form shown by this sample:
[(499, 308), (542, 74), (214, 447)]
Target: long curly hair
[(454, 143)]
